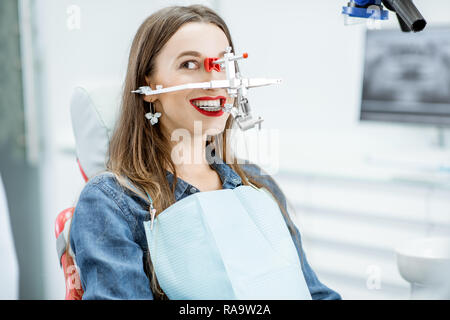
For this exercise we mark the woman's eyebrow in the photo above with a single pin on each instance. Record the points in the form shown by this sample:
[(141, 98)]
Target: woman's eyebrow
[(195, 54), (189, 53)]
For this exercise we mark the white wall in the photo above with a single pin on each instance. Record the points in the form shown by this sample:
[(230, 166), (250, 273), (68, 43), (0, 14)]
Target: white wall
[(320, 61)]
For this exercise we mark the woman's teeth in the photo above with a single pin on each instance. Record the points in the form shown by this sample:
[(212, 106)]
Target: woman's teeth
[(208, 105)]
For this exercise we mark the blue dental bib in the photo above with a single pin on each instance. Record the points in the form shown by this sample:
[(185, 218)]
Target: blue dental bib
[(225, 244)]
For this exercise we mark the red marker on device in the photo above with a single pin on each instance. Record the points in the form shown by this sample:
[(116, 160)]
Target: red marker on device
[(214, 63)]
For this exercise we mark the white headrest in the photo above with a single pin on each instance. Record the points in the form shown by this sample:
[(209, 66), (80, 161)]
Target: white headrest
[(94, 110)]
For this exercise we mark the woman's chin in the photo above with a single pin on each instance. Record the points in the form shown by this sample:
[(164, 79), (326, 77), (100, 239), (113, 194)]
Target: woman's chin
[(214, 126), (213, 131)]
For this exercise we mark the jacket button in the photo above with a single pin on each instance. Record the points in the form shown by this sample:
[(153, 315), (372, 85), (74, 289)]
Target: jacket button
[(193, 190)]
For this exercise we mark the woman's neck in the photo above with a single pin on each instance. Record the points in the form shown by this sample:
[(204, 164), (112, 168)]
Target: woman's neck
[(192, 165)]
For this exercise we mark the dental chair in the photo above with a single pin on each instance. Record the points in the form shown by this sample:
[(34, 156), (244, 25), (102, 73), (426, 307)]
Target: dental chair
[(93, 111)]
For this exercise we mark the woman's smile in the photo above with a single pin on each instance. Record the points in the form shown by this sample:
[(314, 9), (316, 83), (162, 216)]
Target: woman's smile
[(209, 106)]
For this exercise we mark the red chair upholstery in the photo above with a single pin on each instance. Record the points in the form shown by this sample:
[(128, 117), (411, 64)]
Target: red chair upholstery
[(74, 290)]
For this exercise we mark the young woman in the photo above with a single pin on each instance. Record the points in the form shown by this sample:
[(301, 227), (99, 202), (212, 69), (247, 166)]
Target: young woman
[(145, 177)]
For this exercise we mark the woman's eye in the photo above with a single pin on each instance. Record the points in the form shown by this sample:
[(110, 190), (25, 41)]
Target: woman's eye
[(189, 65)]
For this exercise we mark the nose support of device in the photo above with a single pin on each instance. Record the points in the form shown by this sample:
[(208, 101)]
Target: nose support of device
[(214, 63), (210, 65)]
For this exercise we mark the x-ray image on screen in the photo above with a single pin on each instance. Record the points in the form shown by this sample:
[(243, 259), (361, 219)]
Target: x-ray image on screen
[(407, 76)]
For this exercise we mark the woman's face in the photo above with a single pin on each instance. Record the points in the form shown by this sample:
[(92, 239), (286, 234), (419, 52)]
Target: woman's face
[(181, 61)]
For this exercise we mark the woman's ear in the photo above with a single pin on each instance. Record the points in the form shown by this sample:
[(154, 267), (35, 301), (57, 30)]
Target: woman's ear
[(148, 98), (151, 98)]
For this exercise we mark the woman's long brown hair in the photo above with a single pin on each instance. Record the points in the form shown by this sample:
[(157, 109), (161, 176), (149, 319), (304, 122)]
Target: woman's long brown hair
[(140, 151)]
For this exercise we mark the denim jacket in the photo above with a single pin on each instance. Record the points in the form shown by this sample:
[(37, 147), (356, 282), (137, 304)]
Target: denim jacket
[(108, 239)]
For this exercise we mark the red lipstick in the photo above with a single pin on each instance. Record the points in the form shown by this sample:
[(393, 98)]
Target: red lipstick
[(210, 113)]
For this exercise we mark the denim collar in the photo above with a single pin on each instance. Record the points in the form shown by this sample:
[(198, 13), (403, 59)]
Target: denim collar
[(230, 179)]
